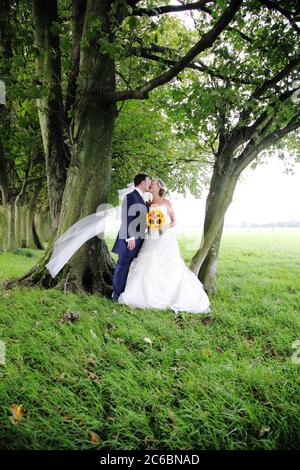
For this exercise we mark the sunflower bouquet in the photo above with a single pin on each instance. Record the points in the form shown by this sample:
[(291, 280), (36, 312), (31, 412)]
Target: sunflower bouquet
[(156, 220)]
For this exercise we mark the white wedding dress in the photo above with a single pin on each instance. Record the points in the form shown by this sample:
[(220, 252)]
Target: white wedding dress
[(158, 277)]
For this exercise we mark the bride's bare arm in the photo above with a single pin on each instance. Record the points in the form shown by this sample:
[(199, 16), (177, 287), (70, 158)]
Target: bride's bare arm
[(171, 214)]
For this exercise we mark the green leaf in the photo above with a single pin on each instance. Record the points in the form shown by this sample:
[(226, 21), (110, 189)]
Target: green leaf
[(132, 21), (55, 28)]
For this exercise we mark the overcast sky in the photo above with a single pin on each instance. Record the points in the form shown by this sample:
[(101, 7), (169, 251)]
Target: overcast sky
[(265, 194)]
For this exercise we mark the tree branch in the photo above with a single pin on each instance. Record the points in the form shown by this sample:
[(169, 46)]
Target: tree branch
[(240, 135), (286, 13), (132, 3), (279, 76), (291, 126), (264, 87), (199, 66), (204, 43), (189, 6), (34, 180), (201, 5), (254, 148)]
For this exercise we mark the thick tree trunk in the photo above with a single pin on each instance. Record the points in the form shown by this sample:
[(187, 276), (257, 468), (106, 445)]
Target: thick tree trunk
[(50, 105), (9, 234), (89, 174), (78, 15), (88, 180), (222, 186), (208, 270)]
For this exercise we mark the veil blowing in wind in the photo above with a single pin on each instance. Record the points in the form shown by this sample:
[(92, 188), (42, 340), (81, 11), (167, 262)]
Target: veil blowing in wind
[(88, 227)]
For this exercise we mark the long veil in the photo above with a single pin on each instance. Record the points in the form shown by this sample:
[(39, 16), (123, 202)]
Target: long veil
[(88, 227)]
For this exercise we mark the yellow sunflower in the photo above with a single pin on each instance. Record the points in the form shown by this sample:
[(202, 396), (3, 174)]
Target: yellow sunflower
[(155, 219)]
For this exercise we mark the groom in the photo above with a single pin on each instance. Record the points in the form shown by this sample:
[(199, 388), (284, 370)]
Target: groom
[(132, 231)]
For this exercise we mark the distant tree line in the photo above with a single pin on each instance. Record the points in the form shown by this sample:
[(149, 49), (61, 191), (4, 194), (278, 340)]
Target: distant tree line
[(290, 223)]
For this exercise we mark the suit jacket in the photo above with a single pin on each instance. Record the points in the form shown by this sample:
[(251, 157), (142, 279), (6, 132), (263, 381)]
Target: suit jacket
[(133, 224)]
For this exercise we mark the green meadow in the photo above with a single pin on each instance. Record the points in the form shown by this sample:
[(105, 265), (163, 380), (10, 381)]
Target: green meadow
[(116, 377)]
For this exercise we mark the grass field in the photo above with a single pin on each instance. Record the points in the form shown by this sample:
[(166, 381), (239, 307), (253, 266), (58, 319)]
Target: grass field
[(219, 381)]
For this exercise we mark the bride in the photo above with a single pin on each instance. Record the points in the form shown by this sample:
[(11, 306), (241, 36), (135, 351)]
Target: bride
[(158, 277)]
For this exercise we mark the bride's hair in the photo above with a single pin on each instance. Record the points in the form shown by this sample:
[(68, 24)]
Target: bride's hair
[(162, 187)]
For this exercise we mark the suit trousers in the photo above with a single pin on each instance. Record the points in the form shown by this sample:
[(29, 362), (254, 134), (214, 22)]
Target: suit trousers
[(120, 274)]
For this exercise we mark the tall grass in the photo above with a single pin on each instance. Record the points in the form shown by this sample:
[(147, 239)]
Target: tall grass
[(219, 381)]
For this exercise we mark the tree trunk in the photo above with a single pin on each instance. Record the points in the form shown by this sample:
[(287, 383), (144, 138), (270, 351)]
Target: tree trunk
[(89, 175), (29, 218), (208, 269), (18, 224), (222, 186), (3, 170), (88, 180), (50, 105), (22, 225), (43, 225), (36, 239), (11, 234), (2, 228), (16, 227), (5, 111), (32, 240), (78, 14)]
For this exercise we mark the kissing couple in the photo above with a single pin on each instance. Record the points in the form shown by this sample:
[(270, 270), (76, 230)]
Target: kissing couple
[(150, 272)]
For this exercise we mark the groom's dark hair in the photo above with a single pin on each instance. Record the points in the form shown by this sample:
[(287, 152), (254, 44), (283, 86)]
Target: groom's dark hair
[(139, 178)]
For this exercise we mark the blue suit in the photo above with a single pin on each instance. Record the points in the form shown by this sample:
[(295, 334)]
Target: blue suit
[(133, 224)]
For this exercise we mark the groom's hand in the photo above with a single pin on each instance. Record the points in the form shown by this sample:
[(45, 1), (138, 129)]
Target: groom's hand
[(131, 244)]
